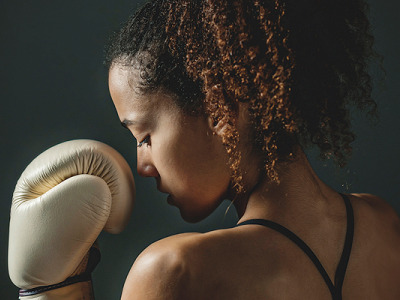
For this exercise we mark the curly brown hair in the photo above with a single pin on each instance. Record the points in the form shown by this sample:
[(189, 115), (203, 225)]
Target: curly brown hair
[(297, 64)]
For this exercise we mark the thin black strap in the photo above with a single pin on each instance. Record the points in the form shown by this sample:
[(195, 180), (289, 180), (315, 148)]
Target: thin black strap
[(336, 290), (299, 242), (344, 259)]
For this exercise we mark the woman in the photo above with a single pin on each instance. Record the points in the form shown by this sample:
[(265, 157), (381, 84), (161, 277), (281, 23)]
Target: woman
[(222, 97)]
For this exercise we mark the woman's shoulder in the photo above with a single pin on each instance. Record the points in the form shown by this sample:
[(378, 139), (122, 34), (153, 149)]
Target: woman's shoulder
[(376, 207), (156, 268), (376, 223), (168, 268)]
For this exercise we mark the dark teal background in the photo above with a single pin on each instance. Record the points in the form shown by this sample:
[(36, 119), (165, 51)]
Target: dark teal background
[(53, 88)]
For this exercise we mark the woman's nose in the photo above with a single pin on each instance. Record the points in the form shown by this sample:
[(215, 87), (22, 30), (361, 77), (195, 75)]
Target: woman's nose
[(145, 165)]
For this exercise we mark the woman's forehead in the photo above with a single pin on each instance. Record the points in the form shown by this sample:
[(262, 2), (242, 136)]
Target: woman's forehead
[(129, 101), (124, 91), (123, 79)]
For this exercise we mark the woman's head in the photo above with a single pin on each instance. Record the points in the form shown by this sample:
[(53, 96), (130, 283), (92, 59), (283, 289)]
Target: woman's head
[(296, 65), (179, 150)]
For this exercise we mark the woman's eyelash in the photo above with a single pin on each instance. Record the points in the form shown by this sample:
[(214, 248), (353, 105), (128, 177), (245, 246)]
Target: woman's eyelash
[(146, 140)]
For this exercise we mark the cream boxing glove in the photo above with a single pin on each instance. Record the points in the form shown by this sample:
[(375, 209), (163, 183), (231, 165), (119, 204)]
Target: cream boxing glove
[(62, 201)]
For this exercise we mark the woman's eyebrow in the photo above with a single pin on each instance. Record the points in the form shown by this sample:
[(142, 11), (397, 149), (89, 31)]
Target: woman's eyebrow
[(125, 123)]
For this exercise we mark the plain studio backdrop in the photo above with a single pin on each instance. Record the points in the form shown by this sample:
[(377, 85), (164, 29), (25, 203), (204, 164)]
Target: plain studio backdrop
[(54, 89)]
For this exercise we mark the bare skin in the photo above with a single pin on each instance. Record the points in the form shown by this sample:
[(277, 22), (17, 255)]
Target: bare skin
[(252, 262)]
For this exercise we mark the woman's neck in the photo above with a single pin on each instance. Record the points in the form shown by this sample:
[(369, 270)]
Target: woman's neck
[(300, 193)]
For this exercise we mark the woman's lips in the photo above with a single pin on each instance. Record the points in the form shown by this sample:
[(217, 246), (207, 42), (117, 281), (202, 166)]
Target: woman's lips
[(170, 200), (159, 187)]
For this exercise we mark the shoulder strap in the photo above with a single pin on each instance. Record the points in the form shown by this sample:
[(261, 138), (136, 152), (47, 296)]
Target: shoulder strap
[(336, 290), (344, 259)]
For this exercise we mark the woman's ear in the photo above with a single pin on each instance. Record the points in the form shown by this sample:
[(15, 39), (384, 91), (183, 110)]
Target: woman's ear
[(218, 126)]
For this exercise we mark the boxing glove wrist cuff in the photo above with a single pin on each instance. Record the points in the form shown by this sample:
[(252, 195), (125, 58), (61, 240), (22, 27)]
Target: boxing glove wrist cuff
[(94, 259)]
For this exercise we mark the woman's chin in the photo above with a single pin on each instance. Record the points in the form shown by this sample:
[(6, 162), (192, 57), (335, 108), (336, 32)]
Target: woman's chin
[(193, 213), (191, 218)]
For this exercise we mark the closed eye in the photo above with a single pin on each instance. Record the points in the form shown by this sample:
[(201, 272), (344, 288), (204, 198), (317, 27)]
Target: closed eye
[(146, 140), (124, 124)]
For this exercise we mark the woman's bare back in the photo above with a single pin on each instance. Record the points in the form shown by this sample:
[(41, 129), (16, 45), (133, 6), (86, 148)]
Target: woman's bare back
[(254, 262)]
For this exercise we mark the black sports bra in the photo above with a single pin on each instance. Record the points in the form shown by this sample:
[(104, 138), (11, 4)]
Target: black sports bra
[(335, 289)]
